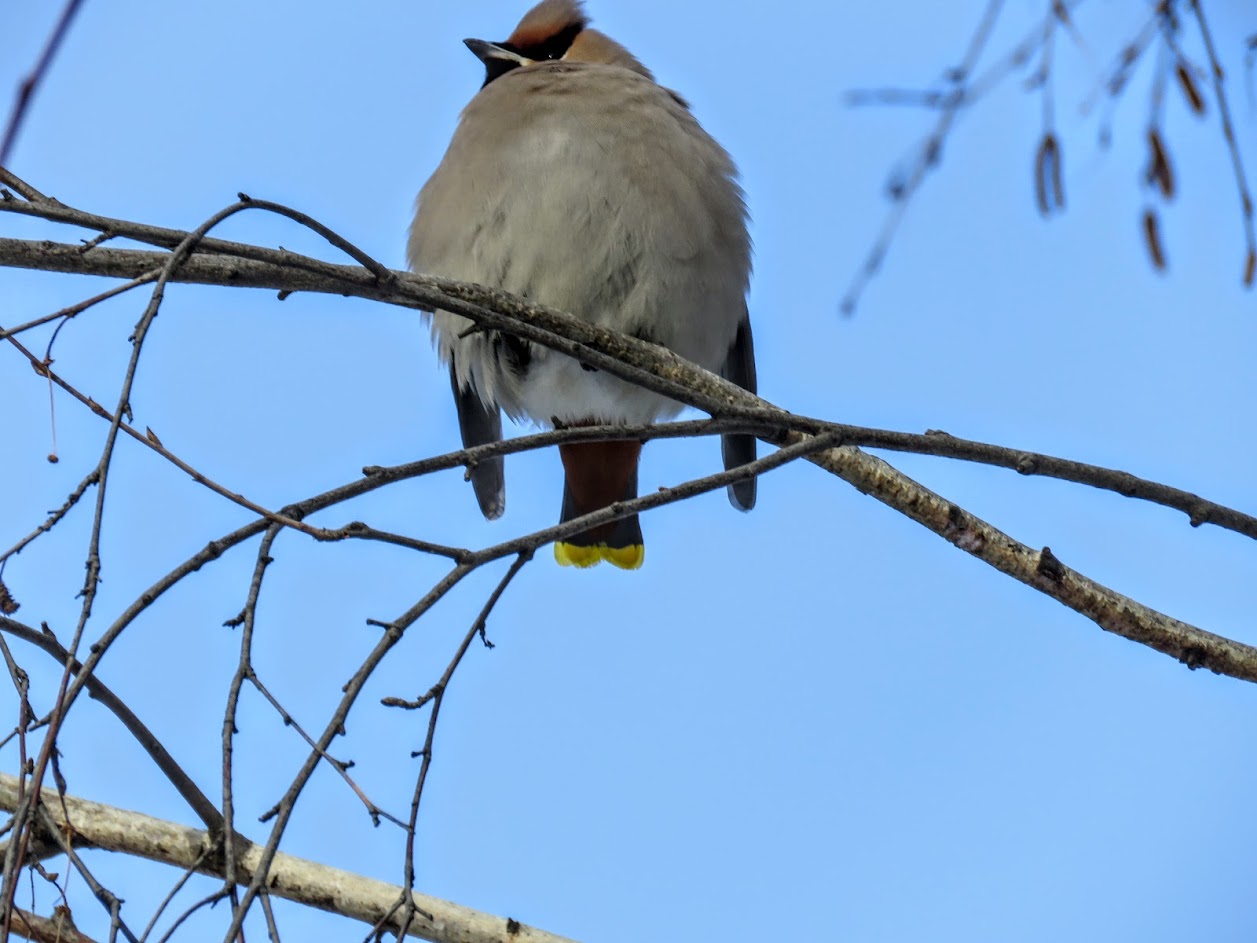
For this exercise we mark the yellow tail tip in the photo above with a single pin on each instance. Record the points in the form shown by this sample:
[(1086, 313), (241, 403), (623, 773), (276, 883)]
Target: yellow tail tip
[(626, 558)]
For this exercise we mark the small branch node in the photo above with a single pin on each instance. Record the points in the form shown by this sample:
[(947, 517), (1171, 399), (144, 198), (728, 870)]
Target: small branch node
[(1049, 567)]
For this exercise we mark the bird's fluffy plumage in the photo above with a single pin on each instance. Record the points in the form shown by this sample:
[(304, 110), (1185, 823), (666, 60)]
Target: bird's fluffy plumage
[(589, 188)]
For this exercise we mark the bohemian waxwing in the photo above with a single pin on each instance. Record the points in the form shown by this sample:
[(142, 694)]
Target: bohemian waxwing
[(574, 180)]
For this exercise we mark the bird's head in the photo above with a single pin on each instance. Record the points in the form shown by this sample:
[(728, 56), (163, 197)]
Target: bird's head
[(553, 30)]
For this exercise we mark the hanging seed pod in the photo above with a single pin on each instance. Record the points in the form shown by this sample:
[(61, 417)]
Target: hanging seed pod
[(1152, 238), (1250, 268), (1058, 188), (1159, 172), (1049, 193), (1195, 101)]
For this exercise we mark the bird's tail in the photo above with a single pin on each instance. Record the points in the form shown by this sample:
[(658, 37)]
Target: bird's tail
[(598, 475)]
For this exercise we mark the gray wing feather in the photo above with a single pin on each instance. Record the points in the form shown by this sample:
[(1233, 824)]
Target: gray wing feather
[(739, 448), (480, 425)]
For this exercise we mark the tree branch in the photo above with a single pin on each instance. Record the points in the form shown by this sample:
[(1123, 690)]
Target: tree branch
[(664, 372), (289, 877), (26, 90), (57, 929), (298, 274), (178, 777)]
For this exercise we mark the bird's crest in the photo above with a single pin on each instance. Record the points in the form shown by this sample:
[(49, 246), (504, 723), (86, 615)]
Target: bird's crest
[(546, 20)]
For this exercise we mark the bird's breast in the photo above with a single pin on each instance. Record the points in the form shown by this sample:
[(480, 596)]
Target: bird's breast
[(612, 205)]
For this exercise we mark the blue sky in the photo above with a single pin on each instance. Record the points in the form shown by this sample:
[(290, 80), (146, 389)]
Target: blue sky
[(816, 719)]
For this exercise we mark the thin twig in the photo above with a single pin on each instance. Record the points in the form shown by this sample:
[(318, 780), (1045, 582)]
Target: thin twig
[(244, 668), (208, 900), (408, 906), (188, 872), (23, 189), (151, 442), (100, 692), (106, 897), (1228, 133), (272, 926), (51, 520), (340, 766), (92, 564), (26, 90), (283, 811), (380, 271), (927, 157), (801, 447), (81, 306)]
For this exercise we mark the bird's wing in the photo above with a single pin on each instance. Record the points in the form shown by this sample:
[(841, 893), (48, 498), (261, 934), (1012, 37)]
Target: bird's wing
[(481, 425), (739, 448)]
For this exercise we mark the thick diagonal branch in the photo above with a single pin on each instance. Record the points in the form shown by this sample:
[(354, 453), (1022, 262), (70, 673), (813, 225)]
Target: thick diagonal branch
[(306, 882), (664, 372)]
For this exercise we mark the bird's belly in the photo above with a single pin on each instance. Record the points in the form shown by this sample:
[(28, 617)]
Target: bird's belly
[(691, 307), (558, 388)]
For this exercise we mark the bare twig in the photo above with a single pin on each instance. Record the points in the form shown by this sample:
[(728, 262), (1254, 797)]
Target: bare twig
[(92, 564), (244, 668), (272, 926), (208, 900), (335, 726), (79, 307), (341, 767), (963, 91), (26, 90), (281, 813), (1228, 133), (58, 828), (409, 909), (98, 691), (52, 520), (151, 442), (188, 872), (927, 157), (23, 189)]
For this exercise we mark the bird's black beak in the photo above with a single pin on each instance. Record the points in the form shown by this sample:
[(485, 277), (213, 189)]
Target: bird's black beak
[(497, 59)]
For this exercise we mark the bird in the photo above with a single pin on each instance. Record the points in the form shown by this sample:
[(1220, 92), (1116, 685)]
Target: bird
[(574, 180)]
